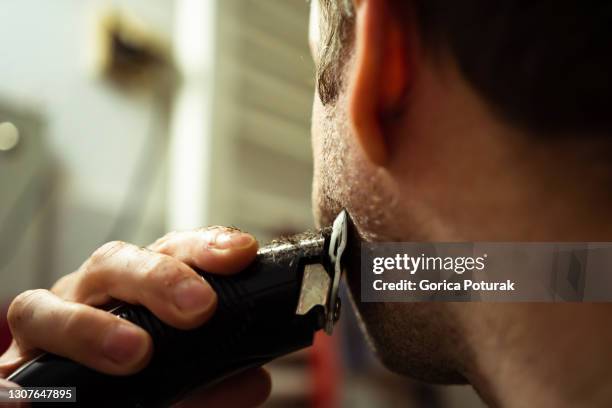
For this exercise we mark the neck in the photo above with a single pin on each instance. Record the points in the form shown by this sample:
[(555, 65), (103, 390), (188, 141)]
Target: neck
[(541, 354)]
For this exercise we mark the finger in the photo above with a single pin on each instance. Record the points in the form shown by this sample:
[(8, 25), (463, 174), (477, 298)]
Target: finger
[(248, 389), (166, 286), (13, 358), (5, 401), (216, 249), (40, 320)]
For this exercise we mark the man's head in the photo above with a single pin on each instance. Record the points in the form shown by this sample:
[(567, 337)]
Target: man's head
[(459, 121)]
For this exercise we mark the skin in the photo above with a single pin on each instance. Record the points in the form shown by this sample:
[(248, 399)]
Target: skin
[(415, 154), (159, 277)]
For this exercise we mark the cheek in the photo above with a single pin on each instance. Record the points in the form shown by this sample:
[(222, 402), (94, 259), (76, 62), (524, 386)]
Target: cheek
[(315, 130), (328, 149), (317, 141), (340, 178), (343, 178)]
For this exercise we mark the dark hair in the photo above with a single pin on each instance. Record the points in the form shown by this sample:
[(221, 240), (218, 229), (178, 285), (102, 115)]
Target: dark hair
[(546, 64)]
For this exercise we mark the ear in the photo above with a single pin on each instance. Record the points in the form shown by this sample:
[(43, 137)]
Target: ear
[(380, 78)]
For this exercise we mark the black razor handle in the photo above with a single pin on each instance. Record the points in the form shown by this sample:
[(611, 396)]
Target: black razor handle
[(255, 322)]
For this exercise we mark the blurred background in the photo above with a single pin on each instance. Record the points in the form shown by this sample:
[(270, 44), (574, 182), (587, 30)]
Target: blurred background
[(126, 119)]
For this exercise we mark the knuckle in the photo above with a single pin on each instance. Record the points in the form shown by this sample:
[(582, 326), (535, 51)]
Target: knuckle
[(208, 228), (21, 308), (106, 251), (92, 274), (75, 322), (64, 284), (162, 242), (160, 267), (100, 257), (211, 229)]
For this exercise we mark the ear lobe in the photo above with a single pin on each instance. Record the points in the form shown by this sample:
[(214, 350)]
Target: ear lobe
[(380, 77)]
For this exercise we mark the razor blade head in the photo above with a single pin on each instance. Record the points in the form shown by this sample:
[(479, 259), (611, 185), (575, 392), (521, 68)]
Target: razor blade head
[(320, 283), (337, 246)]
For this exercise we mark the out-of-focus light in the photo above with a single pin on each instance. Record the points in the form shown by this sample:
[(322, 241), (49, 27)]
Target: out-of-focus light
[(194, 36), (314, 29), (191, 126), (9, 136)]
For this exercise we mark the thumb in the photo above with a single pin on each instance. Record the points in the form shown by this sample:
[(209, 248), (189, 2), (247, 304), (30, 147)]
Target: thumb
[(219, 250)]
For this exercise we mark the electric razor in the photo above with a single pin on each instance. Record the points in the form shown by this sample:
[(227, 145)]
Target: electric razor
[(272, 308)]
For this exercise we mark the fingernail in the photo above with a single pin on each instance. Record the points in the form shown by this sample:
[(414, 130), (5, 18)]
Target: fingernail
[(124, 343), (233, 240), (193, 295)]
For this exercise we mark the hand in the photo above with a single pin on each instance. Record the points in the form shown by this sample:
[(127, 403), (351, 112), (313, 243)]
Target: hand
[(4, 385), (64, 320)]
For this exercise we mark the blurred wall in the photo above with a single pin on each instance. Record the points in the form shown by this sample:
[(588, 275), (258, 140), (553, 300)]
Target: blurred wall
[(247, 69), (94, 133)]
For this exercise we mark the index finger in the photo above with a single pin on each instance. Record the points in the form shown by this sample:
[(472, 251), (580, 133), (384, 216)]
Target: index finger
[(218, 250)]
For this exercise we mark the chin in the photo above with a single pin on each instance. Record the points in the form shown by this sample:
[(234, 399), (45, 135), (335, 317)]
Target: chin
[(416, 340), (325, 209), (409, 342)]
